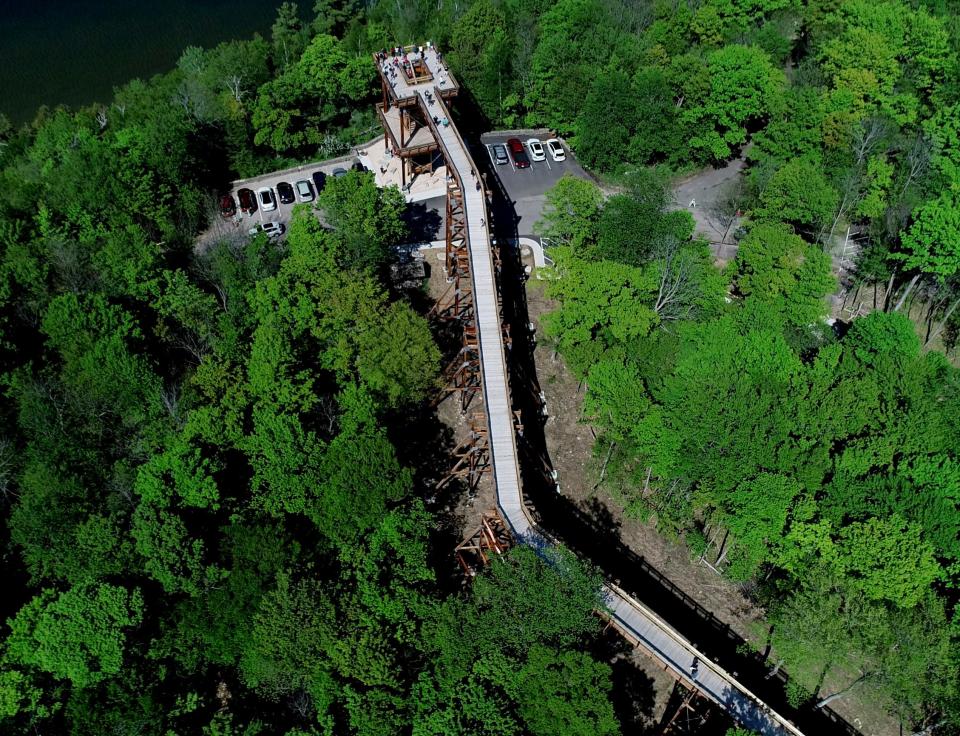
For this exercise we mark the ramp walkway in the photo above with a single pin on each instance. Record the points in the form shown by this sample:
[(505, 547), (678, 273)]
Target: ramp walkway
[(634, 621)]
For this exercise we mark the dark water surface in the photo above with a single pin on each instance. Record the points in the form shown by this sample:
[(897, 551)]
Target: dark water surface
[(76, 51)]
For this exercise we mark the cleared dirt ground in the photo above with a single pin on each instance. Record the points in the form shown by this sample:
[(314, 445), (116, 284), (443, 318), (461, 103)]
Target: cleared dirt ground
[(570, 442)]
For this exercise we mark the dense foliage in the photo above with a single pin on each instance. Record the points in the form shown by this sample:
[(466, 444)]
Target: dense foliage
[(207, 515), (818, 465), (207, 519)]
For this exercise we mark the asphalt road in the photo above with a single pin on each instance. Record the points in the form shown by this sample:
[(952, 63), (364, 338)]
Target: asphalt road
[(526, 188), (426, 219), (698, 193)]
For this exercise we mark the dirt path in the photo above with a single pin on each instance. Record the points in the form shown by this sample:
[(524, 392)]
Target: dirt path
[(697, 193)]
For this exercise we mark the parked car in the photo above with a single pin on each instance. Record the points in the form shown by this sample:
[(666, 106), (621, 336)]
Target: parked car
[(536, 150), (273, 229), (228, 206), (304, 191), (339, 172), (500, 154), (556, 149), (285, 193), (248, 203), (518, 153), (267, 200), (319, 181)]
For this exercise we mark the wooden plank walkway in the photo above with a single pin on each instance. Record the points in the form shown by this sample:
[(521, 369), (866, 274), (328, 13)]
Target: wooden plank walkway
[(636, 622)]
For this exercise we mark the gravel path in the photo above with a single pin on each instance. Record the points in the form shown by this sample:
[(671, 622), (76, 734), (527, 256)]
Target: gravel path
[(697, 193)]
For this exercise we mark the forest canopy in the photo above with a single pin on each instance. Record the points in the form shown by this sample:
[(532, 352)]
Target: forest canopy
[(215, 516)]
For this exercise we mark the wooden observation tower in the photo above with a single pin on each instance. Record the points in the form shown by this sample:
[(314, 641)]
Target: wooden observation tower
[(405, 70)]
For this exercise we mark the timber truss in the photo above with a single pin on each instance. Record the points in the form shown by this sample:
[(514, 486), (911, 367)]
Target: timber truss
[(687, 712), (472, 456), (490, 539)]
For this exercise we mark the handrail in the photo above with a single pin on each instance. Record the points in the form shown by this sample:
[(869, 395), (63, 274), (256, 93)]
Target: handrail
[(530, 531), (438, 100)]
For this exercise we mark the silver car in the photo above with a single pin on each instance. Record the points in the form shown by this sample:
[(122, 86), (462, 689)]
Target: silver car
[(267, 199), (304, 191), (273, 229), (500, 154)]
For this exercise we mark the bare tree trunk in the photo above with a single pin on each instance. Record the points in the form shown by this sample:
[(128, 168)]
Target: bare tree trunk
[(943, 322), (928, 320), (912, 302), (722, 552), (906, 292), (929, 729), (603, 470), (830, 698), (833, 225), (887, 293), (776, 668)]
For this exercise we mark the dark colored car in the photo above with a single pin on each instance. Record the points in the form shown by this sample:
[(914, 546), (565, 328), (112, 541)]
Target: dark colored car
[(248, 203), (319, 181), (228, 207), (339, 172), (285, 193), (518, 153), (357, 166)]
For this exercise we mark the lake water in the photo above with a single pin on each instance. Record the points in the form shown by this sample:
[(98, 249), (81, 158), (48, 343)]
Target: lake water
[(76, 51)]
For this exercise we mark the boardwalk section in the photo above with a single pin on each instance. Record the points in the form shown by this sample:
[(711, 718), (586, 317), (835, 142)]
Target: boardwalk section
[(412, 80)]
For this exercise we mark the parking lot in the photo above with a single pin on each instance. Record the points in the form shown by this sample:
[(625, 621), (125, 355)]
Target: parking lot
[(239, 225), (527, 187)]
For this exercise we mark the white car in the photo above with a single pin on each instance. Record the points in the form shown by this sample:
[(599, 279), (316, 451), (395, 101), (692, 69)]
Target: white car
[(536, 150), (267, 200), (273, 229), (304, 191), (556, 149)]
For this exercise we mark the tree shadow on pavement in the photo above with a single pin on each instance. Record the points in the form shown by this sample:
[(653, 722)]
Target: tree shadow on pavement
[(422, 223)]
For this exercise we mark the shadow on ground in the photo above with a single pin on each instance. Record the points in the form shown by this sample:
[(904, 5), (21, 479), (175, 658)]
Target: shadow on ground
[(593, 533), (423, 224)]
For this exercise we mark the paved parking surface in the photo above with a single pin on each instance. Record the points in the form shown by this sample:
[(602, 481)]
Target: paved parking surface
[(527, 187), (238, 227)]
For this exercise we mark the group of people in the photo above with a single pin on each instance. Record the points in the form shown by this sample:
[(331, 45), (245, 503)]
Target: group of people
[(400, 59)]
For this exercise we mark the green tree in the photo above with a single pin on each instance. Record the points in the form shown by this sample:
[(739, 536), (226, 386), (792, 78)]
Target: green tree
[(288, 35), (888, 559), (603, 304), (744, 87), (398, 359), (571, 213), (606, 122), (778, 269), (566, 692), (634, 226), (656, 132), (480, 52), (800, 194), (293, 630), (931, 245), (756, 512), (78, 635), (368, 218), (333, 16)]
